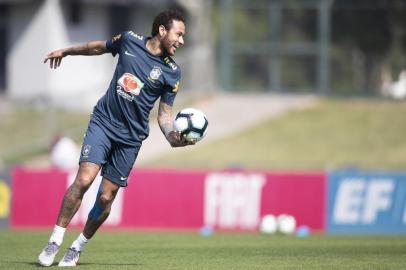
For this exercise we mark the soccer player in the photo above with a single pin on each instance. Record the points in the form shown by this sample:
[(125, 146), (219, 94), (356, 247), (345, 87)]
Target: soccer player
[(119, 123)]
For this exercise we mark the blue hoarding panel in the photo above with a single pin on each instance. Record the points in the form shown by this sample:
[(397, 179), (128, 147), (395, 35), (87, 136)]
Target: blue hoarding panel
[(366, 202)]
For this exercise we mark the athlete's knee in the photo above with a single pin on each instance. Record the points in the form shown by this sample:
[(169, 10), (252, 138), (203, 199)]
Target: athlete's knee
[(101, 208), (106, 199), (77, 189), (83, 181), (86, 174)]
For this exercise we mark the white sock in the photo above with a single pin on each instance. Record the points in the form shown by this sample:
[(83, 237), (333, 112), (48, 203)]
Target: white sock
[(80, 242), (57, 235)]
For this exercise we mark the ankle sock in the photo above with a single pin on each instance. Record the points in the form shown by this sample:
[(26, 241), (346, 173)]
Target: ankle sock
[(80, 242), (57, 235)]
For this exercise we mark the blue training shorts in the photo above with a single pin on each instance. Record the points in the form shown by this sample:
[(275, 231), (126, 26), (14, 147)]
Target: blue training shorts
[(116, 159)]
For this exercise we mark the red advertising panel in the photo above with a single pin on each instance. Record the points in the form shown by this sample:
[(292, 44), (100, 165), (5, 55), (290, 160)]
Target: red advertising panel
[(164, 198), (238, 200), (302, 195), (178, 199), (36, 196)]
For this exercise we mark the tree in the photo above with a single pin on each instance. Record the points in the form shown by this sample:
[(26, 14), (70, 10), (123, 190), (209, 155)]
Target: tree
[(371, 27)]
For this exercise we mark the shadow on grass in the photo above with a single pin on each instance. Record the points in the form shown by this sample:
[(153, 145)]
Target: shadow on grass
[(112, 264), (30, 263), (36, 264)]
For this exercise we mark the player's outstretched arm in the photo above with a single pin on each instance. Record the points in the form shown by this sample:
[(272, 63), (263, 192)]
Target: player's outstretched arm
[(165, 122), (90, 48)]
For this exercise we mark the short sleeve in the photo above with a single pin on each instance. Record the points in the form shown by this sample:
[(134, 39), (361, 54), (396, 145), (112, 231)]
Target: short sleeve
[(114, 44), (172, 88), (168, 97)]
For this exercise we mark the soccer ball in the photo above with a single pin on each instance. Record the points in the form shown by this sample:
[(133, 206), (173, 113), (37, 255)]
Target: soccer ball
[(268, 224), (192, 124), (286, 224)]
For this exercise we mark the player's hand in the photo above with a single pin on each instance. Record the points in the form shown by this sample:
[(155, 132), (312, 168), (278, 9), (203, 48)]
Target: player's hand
[(55, 58), (177, 140)]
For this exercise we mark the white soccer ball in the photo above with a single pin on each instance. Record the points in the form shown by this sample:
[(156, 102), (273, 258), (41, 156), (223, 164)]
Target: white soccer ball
[(192, 124), (286, 224), (268, 224)]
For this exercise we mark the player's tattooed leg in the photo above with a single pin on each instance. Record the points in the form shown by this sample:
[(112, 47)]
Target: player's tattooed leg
[(70, 204), (73, 196)]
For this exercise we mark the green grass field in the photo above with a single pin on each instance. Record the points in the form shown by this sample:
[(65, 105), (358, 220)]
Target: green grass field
[(189, 250), (336, 133)]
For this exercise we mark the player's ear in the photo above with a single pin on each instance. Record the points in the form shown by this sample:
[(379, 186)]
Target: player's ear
[(162, 31)]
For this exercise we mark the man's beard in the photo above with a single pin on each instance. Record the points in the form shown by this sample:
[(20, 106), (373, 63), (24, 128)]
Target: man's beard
[(165, 44)]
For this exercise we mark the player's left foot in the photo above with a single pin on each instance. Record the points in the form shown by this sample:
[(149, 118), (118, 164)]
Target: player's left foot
[(70, 258), (46, 258)]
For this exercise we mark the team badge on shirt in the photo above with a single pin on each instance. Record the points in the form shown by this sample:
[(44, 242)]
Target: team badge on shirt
[(86, 151), (130, 83), (154, 74)]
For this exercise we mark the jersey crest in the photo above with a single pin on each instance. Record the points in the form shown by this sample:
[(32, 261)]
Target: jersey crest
[(154, 74)]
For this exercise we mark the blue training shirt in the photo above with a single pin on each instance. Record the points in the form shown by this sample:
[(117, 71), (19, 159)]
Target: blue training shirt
[(139, 80)]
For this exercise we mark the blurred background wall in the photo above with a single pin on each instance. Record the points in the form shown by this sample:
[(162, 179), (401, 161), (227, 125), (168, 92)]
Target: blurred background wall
[(328, 47), (32, 29), (318, 47)]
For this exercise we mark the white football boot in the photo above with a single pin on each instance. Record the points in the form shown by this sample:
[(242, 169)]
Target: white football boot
[(70, 258), (46, 258)]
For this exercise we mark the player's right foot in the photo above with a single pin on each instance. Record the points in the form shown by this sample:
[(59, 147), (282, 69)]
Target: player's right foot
[(46, 258)]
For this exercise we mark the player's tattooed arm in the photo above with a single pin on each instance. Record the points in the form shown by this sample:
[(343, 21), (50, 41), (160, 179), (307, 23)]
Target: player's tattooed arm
[(165, 121), (90, 48)]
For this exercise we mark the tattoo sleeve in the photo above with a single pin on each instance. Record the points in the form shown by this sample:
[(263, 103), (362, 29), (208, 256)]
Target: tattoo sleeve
[(165, 120), (90, 48)]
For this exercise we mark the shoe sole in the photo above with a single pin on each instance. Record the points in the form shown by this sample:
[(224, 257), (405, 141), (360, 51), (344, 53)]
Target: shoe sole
[(44, 264)]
